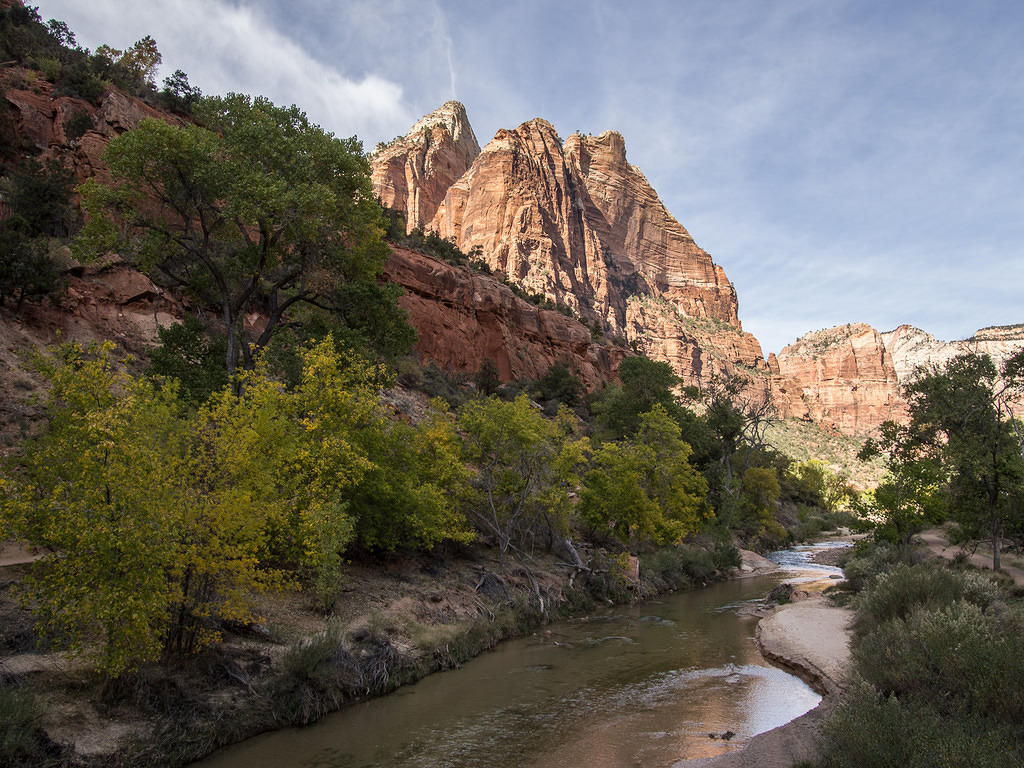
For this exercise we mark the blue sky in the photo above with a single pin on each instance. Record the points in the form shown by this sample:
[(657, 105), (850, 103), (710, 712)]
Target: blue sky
[(843, 161)]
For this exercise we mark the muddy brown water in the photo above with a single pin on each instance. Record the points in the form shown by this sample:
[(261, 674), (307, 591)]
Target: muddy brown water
[(635, 685)]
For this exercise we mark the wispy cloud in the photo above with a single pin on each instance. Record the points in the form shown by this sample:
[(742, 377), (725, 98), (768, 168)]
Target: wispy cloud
[(441, 30), (230, 47)]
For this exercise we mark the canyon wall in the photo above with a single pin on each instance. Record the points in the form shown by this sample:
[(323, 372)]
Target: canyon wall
[(575, 223), (464, 317), (851, 376)]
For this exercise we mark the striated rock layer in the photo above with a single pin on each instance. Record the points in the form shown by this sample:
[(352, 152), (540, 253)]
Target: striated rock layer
[(574, 222), (850, 377), (846, 375), (464, 317), (412, 174), (578, 224), (911, 347)]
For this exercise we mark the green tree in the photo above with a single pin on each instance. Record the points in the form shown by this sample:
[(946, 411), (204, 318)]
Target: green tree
[(909, 495), (524, 467), (189, 353), (259, 210), (139, 556), (41, 213), (644, 489), (645, 383), (178, 93), (962, 413), (414, 494), (159, 519)]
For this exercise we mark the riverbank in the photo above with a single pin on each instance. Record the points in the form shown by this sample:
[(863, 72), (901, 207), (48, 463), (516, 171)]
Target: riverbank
[(809, 638), (394, 622)]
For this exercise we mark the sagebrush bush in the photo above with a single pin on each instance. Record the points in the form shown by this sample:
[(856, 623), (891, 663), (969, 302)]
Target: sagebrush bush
[(955, 656), (870, 730), (896, 593), (867, 563), (679, 567)]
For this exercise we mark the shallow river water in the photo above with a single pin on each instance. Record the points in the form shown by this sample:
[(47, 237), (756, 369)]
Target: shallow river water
[(636, 685)]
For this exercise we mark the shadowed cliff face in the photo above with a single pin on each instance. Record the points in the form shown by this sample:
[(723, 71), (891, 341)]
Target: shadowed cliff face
[(464, 317), (40, 116)]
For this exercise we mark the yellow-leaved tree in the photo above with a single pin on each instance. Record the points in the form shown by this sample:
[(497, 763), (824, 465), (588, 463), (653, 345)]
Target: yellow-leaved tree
[(158, 521)]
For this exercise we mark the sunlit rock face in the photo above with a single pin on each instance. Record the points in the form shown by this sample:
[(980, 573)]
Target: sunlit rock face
[(846, 375), (912, 348), (412, 174), (575, 223)]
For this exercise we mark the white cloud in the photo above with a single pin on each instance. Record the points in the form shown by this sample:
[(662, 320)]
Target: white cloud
[(230, 47)]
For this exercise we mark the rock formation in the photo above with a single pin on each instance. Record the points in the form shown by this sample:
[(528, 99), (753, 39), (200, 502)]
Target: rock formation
[(576, 223), (464, 317), (40, 118), (412, 174), (911, 347), (850, 376), (846, 377)]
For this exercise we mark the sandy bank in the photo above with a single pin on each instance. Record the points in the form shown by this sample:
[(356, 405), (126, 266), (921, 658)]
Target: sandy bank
[(811, 639)]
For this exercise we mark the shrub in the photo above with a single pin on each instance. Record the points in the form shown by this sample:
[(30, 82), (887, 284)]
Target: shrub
[(22, 744), (678, 567), (870, 559), (873, 731), (894, 595), (76, 124), (954, 656)]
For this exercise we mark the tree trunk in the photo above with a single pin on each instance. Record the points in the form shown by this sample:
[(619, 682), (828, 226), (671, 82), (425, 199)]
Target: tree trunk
[(996, 543)]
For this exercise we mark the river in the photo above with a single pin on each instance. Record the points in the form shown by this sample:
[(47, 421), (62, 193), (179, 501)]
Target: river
[(634, 685)]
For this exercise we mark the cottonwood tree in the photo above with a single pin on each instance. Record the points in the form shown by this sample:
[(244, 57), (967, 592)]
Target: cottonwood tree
[(644, 489), (525, 468), (256, 210), (962, 422), (158, 520)]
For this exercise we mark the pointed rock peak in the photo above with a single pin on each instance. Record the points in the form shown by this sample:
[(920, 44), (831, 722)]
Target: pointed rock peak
[(452, 116), (538, 125)]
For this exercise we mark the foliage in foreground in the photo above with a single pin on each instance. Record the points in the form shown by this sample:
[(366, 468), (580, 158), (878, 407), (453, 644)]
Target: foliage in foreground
[(159, 520), (940, 674)]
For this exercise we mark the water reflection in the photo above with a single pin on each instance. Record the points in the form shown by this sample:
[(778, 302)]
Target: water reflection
[(641, 685)]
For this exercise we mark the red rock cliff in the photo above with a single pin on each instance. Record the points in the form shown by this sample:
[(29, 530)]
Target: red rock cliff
[(846, 377), (575, 222), (463, 317), (412, 174)]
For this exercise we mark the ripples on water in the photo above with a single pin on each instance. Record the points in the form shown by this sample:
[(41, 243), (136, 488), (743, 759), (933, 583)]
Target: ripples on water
[(643, 685)]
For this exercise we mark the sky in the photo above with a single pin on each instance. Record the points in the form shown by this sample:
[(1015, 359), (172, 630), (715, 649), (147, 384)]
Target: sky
[(844, 161)]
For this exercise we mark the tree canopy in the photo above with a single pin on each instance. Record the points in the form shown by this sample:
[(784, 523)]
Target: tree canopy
[(255, 210), (964, 437)]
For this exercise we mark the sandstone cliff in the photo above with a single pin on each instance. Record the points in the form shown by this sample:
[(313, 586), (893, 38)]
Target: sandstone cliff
[(412, 174), (846, 377), (575, 222), (911, 347), (40, 118), (464, 317), (850, 376)]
